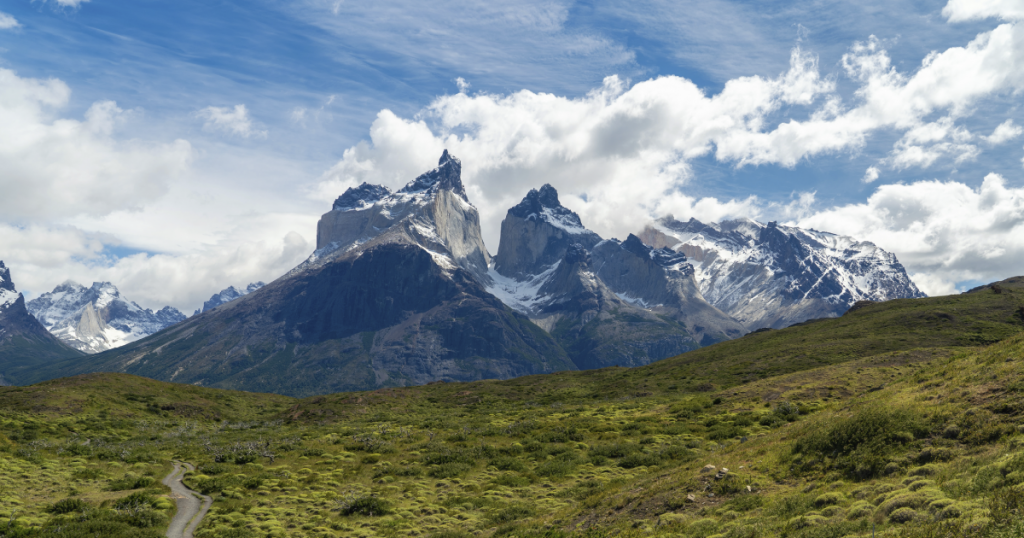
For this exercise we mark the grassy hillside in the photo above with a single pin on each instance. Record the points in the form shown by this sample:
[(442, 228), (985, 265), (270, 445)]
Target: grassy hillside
[(902, 417)]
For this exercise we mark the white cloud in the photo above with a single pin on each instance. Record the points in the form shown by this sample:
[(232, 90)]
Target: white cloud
[(7, 21), (1005, 132), (42, 257), (943, 232), (462, 84), (620, 154), (968, 10), (624, 149), (72, 4), (232, 121), (56, 166)]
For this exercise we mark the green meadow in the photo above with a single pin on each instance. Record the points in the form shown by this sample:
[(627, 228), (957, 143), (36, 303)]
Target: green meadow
[(903, 418)]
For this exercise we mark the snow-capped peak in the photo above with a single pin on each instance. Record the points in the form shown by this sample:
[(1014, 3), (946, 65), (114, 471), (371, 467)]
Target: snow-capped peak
[(543, 205), (361, 197)]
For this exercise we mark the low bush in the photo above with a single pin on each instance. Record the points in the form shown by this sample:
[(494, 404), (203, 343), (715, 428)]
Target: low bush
[(67, 506), (129, 481), (367, 506)]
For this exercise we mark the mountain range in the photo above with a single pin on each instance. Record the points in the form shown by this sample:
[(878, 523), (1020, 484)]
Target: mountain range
[(97, 318), (401, 290)]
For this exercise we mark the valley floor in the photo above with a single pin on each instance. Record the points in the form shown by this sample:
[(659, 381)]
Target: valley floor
[(916, 442)]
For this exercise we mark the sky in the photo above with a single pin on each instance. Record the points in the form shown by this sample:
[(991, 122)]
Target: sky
[(175, 149)]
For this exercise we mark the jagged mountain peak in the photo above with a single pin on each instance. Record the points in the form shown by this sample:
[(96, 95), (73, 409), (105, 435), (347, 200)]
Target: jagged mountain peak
[(432, 212), (5, 278), (447, 176), (543, 205)]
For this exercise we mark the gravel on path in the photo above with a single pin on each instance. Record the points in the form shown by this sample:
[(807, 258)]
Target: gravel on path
[(190, 510)]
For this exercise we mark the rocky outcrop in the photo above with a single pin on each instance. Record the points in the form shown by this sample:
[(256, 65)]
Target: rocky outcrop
[(24, 343), (97, 318), (771, 275)]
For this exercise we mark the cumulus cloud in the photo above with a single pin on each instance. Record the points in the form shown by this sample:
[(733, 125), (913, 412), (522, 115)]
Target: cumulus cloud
[(41, 257), (7, 21), (943, 231), (55, 166), (968, 10), (234, 121), (621, 154), (1005, 132)]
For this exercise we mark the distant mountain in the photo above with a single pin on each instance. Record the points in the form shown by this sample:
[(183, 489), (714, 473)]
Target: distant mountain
[(606, 302), (391, 297), (770, 275), (24, 342), (97, 318), (227, 295)]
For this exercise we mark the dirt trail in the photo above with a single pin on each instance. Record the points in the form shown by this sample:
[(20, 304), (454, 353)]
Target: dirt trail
[(190, 511)]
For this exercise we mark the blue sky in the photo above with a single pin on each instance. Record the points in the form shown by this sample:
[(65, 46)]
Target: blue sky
[(216, 132)]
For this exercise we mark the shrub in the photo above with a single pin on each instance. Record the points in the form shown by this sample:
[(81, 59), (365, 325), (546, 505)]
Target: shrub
[(367, 506), (511, 480), (828, 499), (449, 470), (512, 513), (135, 501), (508, 464), (860, 444), (555, 467), (87, 473), (67, 506), (903, 515), (130, 481), (618, 450)]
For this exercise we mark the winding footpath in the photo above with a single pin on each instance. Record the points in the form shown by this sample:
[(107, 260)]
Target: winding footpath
[(190, 511)]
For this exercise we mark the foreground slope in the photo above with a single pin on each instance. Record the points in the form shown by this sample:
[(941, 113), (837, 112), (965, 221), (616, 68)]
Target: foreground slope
[(916, 435)]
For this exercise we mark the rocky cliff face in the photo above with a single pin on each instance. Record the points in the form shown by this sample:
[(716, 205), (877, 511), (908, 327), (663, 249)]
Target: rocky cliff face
[(606, 302), (24, 342), (97, 318), (770, 275)]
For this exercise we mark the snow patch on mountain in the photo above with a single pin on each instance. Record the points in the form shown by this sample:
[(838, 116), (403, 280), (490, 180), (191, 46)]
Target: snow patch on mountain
[(523, 296), (8, 297)]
